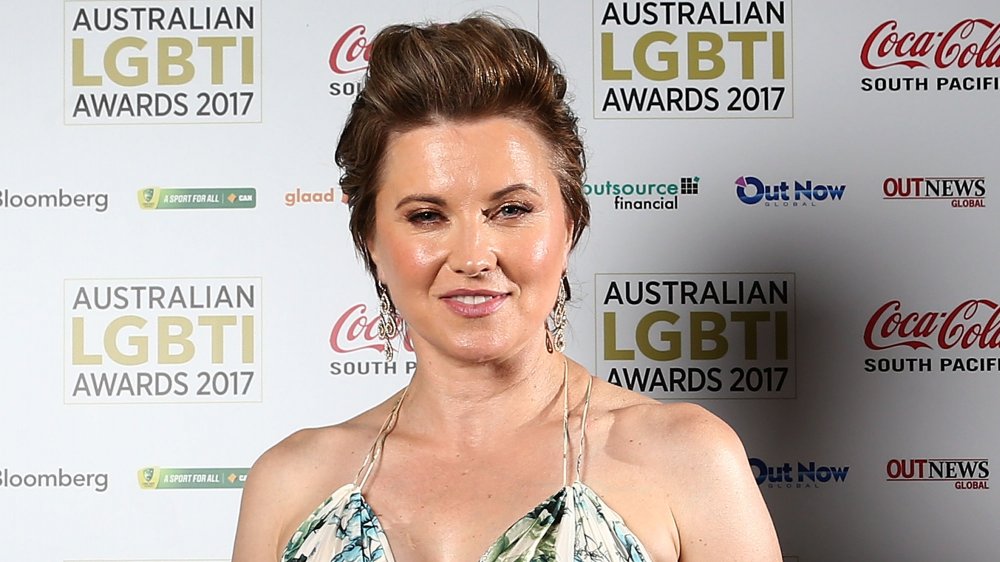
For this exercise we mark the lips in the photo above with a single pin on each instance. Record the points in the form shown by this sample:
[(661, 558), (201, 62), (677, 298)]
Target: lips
[(474, 303)]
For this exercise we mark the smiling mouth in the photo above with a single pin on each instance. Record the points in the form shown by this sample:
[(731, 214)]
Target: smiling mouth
[(475, 305), (473, 299)]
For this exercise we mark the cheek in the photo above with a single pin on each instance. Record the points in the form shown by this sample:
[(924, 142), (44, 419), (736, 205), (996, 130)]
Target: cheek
[(410, 259)]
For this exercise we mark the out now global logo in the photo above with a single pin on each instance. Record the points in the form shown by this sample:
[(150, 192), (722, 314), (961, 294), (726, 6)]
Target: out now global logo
[(797, 475), (751, 190)]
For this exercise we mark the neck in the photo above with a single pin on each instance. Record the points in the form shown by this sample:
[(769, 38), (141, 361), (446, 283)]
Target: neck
[(467, 404)]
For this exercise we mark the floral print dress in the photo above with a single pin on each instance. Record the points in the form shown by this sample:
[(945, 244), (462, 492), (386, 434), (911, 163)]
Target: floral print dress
[(573, 525)]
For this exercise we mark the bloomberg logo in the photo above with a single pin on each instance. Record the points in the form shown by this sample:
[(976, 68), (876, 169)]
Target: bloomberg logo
[(801, 475), (796, 193)]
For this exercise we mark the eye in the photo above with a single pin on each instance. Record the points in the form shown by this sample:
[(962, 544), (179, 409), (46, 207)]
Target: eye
[(508, 210), (424, 216)]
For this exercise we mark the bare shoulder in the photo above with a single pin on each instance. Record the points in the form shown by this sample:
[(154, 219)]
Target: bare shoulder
[(292, 478), (697, 463), (673, 429)]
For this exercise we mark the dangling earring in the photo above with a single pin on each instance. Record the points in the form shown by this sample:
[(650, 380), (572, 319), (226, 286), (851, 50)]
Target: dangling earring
[(555, 339), (387, 327)]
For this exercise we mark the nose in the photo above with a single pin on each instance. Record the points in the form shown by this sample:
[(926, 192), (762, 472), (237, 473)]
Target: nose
[(472, 252)]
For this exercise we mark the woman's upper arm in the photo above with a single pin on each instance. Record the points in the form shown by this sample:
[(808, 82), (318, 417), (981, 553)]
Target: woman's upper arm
[(719, 510), (274, 493), (259, 520)]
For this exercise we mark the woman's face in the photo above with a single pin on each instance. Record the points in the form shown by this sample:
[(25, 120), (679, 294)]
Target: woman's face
[(471, 236)]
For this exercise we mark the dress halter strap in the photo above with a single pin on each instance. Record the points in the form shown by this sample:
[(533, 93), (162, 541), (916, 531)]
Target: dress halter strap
[(375, 452), (583, 426)]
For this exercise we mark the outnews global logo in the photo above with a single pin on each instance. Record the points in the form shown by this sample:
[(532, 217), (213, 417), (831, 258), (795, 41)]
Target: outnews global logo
[(797, 475), (961, 473), (751, 190), (962, 192), (156, 478), (655, 196)]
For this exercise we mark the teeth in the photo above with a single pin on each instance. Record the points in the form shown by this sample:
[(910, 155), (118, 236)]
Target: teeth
[(472, 299)]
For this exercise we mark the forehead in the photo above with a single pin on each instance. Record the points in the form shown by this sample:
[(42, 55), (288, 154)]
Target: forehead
[(481, 153)]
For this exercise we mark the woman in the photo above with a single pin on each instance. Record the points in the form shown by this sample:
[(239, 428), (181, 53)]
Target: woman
[(463, 171)]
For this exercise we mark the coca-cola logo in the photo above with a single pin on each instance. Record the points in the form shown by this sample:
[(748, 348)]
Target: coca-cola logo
[(970, 42), (350, 53), (974, 323), (355, 330)]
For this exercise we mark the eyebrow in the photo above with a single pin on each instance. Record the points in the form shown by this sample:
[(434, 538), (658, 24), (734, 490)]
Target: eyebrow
[(439, 201)]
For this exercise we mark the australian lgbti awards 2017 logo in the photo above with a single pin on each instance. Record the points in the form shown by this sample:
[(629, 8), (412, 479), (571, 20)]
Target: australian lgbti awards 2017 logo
[(961, 473), (731, 58), (354, 338), (163, 61), (697, 336), (797, 475), (961, 192), (156, 478), (751, 190), (962, 56), (163, 340), (643, 196), (167, 198), (964, 339)]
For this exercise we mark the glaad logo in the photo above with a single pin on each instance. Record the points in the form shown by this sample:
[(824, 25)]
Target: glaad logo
[(293, 198), (800, 475), (751, 190)]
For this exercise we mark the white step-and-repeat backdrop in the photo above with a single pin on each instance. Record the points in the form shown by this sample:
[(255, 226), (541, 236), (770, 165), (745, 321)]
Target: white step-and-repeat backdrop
[(794, 222)]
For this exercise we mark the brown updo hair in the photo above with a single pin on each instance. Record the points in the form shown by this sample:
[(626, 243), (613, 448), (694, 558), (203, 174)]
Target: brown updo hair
[(478, 67)]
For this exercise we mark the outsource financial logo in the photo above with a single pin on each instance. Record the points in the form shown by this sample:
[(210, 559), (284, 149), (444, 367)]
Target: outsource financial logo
[(961, 55), (797, 475), (751, 190), (962, 473), (651, 196), (963, 192)]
